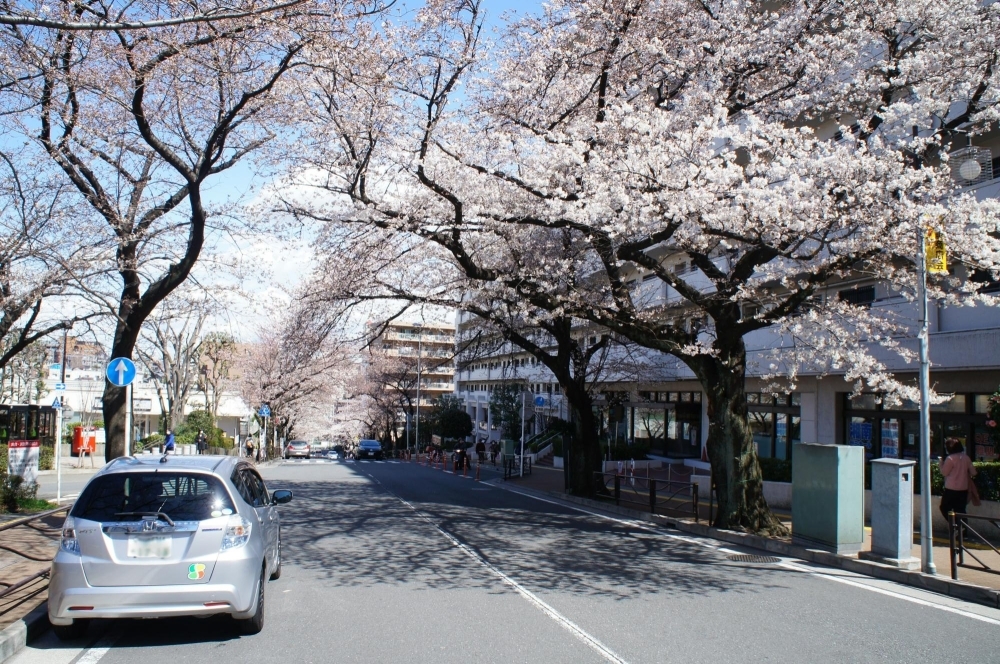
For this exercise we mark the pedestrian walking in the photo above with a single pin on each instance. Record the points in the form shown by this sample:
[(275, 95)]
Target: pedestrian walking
[(481, 451), (494, 451), (958, 472), (201, 440), (168, 443), (250, 448)]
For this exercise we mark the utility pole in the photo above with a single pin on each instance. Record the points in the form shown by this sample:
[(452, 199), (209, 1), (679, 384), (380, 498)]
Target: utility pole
[(420, 351), (926, 525)]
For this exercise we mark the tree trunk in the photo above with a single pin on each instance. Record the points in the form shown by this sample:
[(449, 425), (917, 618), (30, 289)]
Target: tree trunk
[(583, 458), (739, 485)]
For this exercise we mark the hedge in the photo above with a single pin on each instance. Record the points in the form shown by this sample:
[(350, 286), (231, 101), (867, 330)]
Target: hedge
[(987, 476)]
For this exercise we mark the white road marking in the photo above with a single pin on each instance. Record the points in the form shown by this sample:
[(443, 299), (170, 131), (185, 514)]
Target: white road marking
[(891, 593), (786, 563), (100, 649), (562, 620)]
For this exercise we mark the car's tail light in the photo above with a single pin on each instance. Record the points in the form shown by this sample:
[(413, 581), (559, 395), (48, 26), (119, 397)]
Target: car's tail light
[(237, 533), (69, 543)]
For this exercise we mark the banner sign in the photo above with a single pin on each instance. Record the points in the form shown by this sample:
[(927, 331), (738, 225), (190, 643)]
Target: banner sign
[(22, 459)]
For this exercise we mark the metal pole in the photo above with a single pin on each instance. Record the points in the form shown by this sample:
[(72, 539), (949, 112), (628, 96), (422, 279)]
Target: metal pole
[(420, 351), (523, 395), (58, 450), (128, 419), (926, 542)]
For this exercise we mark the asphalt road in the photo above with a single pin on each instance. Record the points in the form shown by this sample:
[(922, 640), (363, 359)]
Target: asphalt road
[(394, 562)]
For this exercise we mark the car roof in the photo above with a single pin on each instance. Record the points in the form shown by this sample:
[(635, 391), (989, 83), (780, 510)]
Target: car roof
[(217, 464)]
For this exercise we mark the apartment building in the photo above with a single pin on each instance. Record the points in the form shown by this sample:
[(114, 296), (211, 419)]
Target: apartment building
[(425, 353)]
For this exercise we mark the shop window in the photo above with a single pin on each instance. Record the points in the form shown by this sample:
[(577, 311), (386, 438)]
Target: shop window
[(954, 405), (861, 432), (863, 402), (981, 403), (762, 427)]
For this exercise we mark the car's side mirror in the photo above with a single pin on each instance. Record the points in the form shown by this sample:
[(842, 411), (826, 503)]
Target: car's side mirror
[(281, 496)]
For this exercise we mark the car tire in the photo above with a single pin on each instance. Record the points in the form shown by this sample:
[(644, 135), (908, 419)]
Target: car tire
[(255, 623), (75, 630), (276, 574)]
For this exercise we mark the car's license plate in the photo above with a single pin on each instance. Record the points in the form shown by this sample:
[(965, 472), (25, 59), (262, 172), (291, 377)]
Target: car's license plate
[(149, 547)]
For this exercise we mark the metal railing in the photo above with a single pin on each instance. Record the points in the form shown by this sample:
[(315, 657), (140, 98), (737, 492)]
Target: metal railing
[(958, 532), (35, 583), (512, 466), (659, 496)]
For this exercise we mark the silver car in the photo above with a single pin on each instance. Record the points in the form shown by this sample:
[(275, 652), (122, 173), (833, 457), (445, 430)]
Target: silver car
[(153, 537)]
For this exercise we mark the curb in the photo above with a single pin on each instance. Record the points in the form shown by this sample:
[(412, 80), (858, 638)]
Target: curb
[(942, 585), (15, 636)]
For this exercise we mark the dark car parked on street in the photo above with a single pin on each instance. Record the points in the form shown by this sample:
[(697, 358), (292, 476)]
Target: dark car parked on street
[(369, 449)]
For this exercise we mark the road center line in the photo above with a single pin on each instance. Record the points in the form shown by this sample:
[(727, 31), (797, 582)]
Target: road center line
[(562, 620)]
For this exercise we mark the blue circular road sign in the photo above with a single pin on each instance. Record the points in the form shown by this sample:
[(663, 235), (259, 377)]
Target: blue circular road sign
[(539, 401), (120, 371)]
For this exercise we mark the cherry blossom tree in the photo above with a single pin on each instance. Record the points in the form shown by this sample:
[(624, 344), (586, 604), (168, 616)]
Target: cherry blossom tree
[(139, 121), (770, 149)]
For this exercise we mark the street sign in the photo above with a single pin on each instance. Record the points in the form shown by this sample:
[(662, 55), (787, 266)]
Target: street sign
[(265, 410), (539, 401), (121, 371), (56, 404), (60, 387)]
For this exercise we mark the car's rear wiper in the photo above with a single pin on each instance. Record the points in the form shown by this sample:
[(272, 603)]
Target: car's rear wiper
[(158, 515)]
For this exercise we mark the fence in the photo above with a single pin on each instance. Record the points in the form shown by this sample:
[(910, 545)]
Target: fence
[(17, 592), (959, 529), (512, 468), (656, 495)]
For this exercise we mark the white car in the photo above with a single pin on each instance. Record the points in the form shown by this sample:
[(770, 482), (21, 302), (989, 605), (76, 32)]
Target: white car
[(152, 537)]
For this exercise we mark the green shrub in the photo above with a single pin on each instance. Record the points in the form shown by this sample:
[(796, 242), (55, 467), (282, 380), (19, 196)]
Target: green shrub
[(14, 492), (775, 470)]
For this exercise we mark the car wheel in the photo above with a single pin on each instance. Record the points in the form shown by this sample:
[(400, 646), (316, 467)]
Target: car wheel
[(276, 574), (75, 630), (255, 623)]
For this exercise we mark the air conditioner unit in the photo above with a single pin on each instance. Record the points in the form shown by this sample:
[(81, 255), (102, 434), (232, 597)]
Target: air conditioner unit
[(971, 165)]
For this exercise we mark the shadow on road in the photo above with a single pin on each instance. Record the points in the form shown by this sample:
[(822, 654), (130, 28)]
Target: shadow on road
[(357, 534)]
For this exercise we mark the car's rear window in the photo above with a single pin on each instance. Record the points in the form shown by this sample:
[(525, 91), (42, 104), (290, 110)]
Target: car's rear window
[(371, 443), (126, 496)]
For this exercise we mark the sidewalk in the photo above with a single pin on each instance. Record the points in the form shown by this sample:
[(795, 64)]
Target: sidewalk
[(550, 480)]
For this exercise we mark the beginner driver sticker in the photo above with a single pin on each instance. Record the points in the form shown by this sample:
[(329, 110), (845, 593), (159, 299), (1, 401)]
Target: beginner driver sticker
[(196, 571)]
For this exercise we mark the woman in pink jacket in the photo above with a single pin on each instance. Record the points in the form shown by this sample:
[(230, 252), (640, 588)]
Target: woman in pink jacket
[(958, 472)]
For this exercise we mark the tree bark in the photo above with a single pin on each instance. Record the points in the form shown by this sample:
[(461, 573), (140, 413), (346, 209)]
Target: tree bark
[(583, 458), (738, 481)]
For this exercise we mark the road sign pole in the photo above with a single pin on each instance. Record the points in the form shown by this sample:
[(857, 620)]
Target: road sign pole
[(926, 534), (523, 397), (58, 451), (128, 419)]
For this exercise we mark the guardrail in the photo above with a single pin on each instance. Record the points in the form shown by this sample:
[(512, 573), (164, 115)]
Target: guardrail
[(958, 530), (32, 583), (657, 495)]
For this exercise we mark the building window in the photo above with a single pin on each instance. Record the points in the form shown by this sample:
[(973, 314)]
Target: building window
[(862, 296)]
